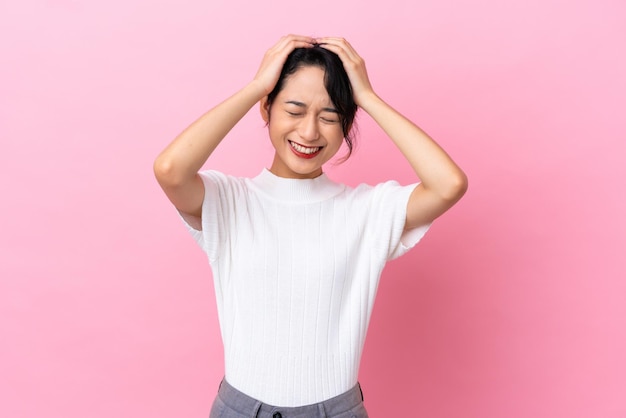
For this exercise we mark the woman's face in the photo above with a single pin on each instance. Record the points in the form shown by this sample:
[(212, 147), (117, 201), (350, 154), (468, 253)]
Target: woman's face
[(304, 126)]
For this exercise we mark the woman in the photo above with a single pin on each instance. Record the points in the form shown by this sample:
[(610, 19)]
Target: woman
[(296, 258)]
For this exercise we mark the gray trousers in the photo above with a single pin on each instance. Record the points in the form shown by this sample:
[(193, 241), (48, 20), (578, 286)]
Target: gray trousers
[(231, 403)]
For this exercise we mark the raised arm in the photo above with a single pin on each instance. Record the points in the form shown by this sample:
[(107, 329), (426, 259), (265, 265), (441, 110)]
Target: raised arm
[(443, 183), (176, 168)]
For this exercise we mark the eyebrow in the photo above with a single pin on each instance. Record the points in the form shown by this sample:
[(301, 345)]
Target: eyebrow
[(300, 104)]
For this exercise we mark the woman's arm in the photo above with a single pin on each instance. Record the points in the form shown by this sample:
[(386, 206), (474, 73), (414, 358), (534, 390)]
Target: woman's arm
[(176, 168), (443, 183)]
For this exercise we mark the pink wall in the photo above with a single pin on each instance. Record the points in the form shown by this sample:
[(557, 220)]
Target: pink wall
[(513, 306)]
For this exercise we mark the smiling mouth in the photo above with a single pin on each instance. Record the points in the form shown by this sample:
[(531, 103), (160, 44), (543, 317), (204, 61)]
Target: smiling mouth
[(306, 152)]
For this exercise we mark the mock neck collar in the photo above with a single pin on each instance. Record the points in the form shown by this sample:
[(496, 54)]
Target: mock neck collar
[(296, 190)]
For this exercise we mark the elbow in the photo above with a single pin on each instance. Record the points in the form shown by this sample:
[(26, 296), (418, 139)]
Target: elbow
[(462, 185), (162, 168), (456, 187), (165, 171)]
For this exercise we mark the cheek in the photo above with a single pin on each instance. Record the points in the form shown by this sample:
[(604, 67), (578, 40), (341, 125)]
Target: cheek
[(277, 126), (334, 134)]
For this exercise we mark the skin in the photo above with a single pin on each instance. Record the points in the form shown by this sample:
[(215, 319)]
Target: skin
[(443, 183), (302, 113)]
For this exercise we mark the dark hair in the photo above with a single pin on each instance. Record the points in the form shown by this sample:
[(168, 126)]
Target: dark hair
[(336, 82)]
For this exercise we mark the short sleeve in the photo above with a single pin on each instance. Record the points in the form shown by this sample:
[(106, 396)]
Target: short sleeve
[(388, 217), (210, 230)]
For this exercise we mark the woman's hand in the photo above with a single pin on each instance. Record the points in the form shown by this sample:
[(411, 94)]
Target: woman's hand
[(354, 66), (176, 168), (275, 58), (442, 181)]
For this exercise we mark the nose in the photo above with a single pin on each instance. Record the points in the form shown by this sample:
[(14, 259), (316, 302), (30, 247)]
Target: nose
[(308, 128)]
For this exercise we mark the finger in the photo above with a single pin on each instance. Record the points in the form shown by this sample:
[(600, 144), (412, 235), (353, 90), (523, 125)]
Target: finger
[(288, 44), (339, 44), (300, 37), (298, 40), (343, 53), (336, 41)]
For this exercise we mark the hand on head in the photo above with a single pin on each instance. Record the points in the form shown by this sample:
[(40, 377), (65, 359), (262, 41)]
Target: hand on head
[(274, 60), (353, 64), (275, 57)]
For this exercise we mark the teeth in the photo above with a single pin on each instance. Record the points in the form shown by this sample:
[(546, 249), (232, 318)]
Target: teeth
[(304, 150)]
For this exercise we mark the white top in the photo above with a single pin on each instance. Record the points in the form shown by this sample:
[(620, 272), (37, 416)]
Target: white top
[(296, 265)]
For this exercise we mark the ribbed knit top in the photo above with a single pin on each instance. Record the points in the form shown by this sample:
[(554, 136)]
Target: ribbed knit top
[(296, 265)]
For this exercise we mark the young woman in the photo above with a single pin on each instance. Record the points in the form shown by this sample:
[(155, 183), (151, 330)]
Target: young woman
[(296, 257)]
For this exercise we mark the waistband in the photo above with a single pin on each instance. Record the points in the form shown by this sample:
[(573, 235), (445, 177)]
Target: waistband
[(247, 405)]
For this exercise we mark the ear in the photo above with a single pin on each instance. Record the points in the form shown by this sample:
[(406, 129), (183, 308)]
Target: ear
[(265, 109)]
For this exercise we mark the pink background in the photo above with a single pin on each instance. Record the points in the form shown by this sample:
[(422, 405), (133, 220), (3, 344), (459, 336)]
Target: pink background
[(513, 306)]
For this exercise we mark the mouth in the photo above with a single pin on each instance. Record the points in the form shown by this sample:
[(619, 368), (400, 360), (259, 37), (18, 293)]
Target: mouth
[(304, 152)]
